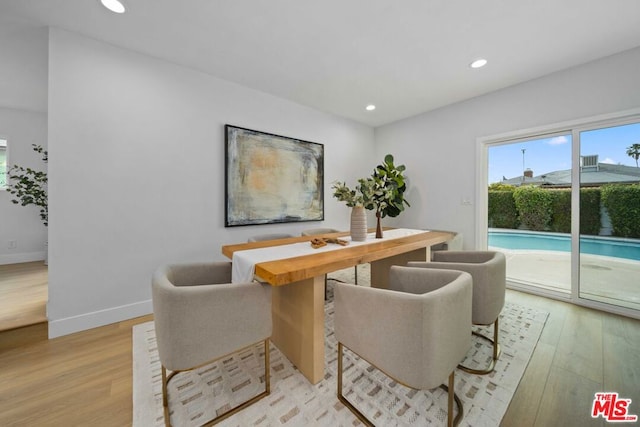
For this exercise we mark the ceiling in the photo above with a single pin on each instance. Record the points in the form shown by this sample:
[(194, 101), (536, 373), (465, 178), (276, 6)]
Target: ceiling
[(337, 56)]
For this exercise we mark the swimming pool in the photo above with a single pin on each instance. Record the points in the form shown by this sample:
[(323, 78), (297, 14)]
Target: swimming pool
[(605, 246)]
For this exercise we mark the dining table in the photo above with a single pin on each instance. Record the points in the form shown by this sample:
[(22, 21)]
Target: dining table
[(296, 271)]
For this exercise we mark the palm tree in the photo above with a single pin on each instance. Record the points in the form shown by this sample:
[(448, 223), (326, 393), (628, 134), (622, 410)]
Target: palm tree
[(634, 151)]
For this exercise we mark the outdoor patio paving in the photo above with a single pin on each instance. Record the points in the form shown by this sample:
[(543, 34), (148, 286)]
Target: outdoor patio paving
[(605, 279)]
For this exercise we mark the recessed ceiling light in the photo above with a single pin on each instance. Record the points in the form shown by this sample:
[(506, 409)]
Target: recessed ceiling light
[(113, 5), (371, 107), (478, 63)]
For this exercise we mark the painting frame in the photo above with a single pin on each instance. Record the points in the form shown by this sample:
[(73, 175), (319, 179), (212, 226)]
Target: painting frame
[(272, 178)]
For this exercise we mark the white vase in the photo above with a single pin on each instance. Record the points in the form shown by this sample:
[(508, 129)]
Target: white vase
[(358, 224)]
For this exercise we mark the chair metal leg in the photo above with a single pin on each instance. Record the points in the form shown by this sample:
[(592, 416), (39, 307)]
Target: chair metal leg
[(450, 401), (496, 353), (343, 399), (451, 396), (165, 397), (326, 296), (355, 269), (267, 367), (235, 410)]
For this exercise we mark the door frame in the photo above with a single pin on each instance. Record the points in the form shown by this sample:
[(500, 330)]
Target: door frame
[(573, 127)]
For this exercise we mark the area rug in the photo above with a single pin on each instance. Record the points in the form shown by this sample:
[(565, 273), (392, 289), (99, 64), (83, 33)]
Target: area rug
[(197, 395)]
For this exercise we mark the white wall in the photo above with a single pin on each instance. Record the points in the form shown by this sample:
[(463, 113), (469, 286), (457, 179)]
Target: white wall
[(439, 147), (137, 172), (22, 224), (23, 74)]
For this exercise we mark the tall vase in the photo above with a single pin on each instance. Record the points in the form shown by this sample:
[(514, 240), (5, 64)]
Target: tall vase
[(378, 227), (358, 224)]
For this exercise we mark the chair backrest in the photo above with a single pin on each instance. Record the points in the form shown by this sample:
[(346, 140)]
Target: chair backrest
[(416, 337), (488, 270), (272, 236), (194, 274), (316, 231), (200, 316), (455, 244), (468, 257)]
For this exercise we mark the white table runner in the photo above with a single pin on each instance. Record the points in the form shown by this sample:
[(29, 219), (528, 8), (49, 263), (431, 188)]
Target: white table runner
[(244, 262)]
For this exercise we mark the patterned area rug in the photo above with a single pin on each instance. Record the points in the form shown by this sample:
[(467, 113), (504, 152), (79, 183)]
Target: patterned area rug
[(197, 395)]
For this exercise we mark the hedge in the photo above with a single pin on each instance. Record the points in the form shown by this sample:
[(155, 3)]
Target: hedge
[(590, 216), (560, 210), (502, 210), (552, 210), (623, 204), (534, 206)]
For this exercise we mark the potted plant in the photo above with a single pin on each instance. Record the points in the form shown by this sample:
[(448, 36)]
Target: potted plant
[(355, 199), (386, 191), (29, 187), (383, 192)]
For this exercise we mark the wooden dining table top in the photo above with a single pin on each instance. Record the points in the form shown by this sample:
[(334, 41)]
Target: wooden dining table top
[(293, 269)]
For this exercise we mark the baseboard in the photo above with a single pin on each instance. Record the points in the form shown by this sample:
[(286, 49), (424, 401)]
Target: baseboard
[(22, 257), (95, 319)]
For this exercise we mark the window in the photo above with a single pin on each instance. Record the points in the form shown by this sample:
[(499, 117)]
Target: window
[(3, 163)]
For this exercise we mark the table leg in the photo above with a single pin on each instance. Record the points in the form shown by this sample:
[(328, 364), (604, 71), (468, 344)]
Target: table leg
[(298, 325), (380, 268)]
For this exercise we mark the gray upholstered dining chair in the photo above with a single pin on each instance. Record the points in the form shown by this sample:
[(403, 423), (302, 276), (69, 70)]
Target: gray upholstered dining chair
[(272, 236), (201, 317), (415, 332), (488, 269), (318, 231)]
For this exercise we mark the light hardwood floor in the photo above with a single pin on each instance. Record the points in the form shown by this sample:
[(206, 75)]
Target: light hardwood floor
[(85, 379), (23, 294), (581, 351), (23, 301)]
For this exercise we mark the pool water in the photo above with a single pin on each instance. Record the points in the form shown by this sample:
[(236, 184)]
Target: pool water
[(605, 246)]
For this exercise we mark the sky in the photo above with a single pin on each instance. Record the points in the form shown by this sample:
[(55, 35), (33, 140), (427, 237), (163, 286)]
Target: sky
[(551, 154)]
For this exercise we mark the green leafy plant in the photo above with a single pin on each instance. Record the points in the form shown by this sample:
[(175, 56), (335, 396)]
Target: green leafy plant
[(560, 210), (623, 204), (534, 207), (498, 186), (590, 213), (387, 187), (634, 151), (355, 197), (502, 212), (29, 186), (383, 191)]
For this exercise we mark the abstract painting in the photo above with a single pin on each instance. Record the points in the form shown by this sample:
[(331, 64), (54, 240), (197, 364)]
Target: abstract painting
[(272, 178)]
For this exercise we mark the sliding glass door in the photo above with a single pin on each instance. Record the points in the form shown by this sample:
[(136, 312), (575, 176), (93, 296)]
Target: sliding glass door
[(609, 253), (564, 206), (529, 214)]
